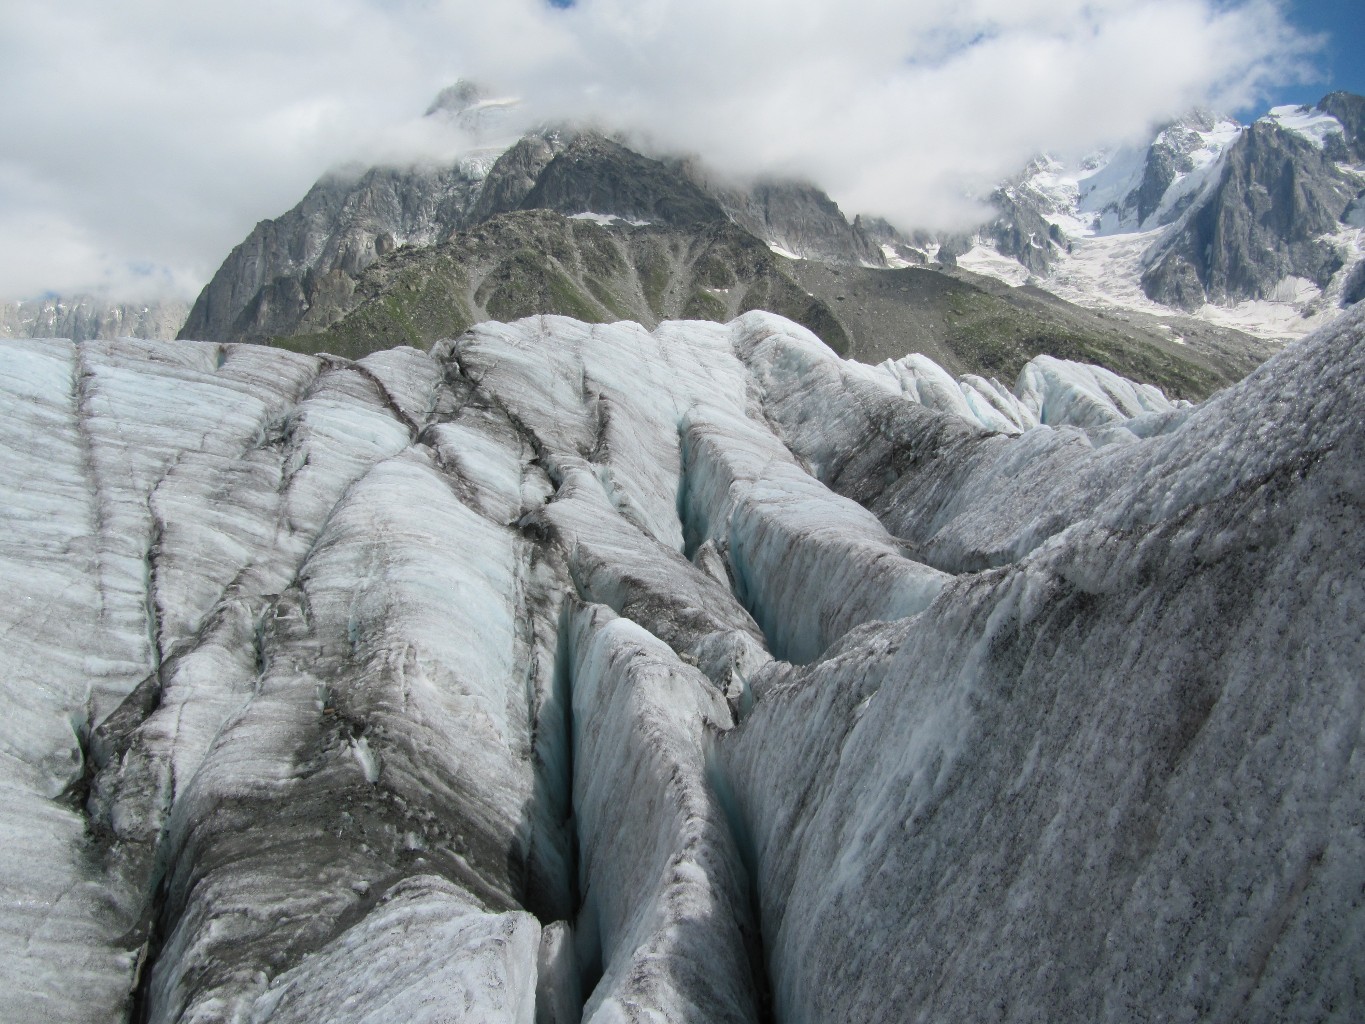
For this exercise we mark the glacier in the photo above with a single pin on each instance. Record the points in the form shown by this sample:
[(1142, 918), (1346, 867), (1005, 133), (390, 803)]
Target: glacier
[(588, 672)]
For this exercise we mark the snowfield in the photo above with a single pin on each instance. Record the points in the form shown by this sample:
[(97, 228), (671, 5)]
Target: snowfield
[(1093, 200)]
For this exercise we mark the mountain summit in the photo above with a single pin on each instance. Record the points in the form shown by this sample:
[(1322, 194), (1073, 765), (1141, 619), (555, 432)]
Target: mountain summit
[(326, 274), (1258, 227)]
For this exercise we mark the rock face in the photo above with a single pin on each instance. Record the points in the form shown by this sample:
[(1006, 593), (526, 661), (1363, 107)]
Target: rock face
[(534, 261), (314, 251), (300, 270), (1252, 227), (593, 174), (1349, 110), (1264, 221), (1168, 158), (1021, 232), (87, 317), (800, 219), (580, 671)]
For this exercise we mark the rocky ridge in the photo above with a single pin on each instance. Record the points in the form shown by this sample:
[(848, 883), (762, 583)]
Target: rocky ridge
[(1257, 226), (1270, 216), (293, 271), (535, 261)]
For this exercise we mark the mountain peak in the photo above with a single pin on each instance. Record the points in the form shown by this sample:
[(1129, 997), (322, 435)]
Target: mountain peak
[(456, 99)]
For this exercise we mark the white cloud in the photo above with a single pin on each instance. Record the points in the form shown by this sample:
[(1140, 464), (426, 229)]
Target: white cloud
[(148, 134)]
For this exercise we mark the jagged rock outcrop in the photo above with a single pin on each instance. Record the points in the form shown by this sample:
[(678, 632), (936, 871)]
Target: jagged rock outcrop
[(594, 174), (315, 250), (536, 261), (1021, 232), (513, 175), (892, 241), (1277, 195), (87, 317), (798, 218), (1168, 158), (579, 670), (1218, 219), (1349, 110)]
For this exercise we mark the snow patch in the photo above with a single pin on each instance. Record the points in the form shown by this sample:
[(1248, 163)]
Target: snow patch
[(982, 259), (1313, 124), (607, 220)]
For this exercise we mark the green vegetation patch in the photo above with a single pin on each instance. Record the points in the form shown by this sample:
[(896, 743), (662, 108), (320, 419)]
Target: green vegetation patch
[(610, 301), (702, 305), (654, 269), (527, 283)]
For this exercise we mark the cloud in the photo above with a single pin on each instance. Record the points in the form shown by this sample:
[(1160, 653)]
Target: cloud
[(153, 134)]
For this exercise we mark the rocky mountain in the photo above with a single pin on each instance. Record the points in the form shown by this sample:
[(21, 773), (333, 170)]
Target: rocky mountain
[(586, 672), (572, 222), (1348, 110), (295, 270), (344, 223), (602, 270), (1268, 218), (87, 317), (1259, 227)]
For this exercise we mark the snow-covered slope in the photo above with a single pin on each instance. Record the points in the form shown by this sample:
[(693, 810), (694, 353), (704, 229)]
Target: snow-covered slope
[(687, 675), (1121, 213)]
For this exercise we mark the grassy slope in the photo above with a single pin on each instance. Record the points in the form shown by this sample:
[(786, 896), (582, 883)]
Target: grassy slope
[(524, 263)]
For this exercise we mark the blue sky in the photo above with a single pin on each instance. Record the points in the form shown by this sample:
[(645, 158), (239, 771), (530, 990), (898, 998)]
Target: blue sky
[(1341, 64)]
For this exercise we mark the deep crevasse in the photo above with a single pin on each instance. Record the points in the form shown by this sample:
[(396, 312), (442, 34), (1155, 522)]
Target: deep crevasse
[(415, 622)]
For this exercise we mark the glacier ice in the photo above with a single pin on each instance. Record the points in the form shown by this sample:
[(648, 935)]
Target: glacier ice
[(581, 671), (665, 905)]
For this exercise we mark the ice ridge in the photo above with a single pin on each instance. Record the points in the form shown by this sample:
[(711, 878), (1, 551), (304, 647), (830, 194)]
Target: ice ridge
[(580, 671)]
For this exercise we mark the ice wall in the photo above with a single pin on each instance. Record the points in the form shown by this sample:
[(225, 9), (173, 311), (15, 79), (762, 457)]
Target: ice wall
[(686, 675)]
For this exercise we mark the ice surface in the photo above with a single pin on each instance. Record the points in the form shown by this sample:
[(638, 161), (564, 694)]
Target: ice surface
[(425, 954), (1119, 778), (1050, 391), (664, 894), (687, 675), (810, 564), (607, 397), (615, 564), (982, 259)]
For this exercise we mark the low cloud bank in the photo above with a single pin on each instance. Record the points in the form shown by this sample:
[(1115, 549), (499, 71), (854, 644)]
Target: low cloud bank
[(143, 140)]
